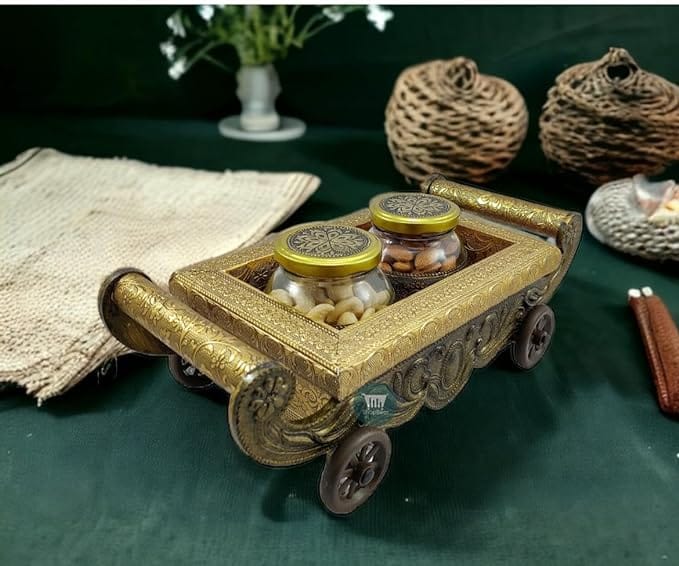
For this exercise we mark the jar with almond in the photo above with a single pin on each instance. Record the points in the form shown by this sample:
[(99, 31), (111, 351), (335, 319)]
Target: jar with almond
[(329, 273), (418, 236)]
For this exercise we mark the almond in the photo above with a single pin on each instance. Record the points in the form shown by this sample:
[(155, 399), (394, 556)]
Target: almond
[(396, 253), (402, 266), (431, 268), (449, 264), (426, 258)]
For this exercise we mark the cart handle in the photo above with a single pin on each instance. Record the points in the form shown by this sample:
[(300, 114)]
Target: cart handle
[(564, 226), (148, 319)]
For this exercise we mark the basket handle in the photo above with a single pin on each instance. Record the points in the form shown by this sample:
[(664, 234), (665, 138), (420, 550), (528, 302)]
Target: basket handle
[(618, 65), (148, 319), (564, 226)]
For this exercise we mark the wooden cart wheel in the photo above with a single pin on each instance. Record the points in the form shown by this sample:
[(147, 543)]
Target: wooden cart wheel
[(354, 470), (187, 375), (533, 337)]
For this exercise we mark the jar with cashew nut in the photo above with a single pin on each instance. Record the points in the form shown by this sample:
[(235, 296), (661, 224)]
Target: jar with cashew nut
[(418, 235), (329, 273)]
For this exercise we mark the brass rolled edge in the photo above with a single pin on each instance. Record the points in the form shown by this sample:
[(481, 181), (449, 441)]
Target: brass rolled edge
[(568, 239), (225, 359), (563, 226), (530, 216), (263, 430), (425, 185), (122, 327), (256, 416)]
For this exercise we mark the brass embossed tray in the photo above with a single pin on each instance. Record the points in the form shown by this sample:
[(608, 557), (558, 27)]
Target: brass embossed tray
[(299, 389)]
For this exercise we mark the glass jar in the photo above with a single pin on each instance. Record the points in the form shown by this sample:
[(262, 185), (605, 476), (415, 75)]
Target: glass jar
[(329, 273), (418, 235)]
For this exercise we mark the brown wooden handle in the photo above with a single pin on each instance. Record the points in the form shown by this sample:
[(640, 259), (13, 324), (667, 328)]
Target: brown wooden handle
[(661, 341)]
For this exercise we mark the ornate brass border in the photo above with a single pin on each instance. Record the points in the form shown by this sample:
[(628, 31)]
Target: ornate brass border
[(432, 377), (340, 361), (279, 418), (294, 383)]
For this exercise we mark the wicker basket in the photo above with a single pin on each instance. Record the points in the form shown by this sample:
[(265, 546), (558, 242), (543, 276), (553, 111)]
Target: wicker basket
[(609, 119), (446, 117)]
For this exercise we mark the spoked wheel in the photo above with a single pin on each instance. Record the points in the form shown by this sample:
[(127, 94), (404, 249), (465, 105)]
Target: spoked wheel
[(189, 376), (533, 337), (354, 470)]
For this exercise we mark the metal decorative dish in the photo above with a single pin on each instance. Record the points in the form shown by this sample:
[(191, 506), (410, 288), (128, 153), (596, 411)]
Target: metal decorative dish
[(300, 389)]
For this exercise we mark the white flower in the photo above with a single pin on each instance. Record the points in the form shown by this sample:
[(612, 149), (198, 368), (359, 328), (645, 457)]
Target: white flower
[(177, 69), (168, 49), (174, 22), (334, 14), (206, 12), (379, 16)]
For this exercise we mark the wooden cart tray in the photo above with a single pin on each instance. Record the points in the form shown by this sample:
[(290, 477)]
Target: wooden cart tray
[(299, 389)]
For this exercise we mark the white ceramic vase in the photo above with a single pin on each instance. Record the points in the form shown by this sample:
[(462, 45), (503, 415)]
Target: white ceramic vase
[(258, 88)]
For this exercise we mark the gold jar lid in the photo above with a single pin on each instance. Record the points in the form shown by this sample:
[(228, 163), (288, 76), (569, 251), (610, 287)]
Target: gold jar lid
[(327, 250), (413, 213)]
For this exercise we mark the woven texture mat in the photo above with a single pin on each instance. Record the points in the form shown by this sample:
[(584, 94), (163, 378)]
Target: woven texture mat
[(67, 222)]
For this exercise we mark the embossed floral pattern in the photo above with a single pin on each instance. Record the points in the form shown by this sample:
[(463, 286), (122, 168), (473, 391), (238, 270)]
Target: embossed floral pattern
[(415, 205), (268, 397), (329, 241)]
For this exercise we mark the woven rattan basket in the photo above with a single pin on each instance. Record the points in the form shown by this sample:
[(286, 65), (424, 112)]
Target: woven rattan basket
[(609, 119), (446, 117)]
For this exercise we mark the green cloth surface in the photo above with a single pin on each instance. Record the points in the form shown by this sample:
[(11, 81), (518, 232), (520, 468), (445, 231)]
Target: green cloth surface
[(568, 463)]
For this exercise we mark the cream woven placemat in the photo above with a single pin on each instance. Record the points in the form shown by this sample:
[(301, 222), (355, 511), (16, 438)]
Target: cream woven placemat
[(67, 222)]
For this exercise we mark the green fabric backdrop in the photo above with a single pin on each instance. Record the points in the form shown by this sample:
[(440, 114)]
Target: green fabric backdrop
[(571, 463), (98, 60)]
